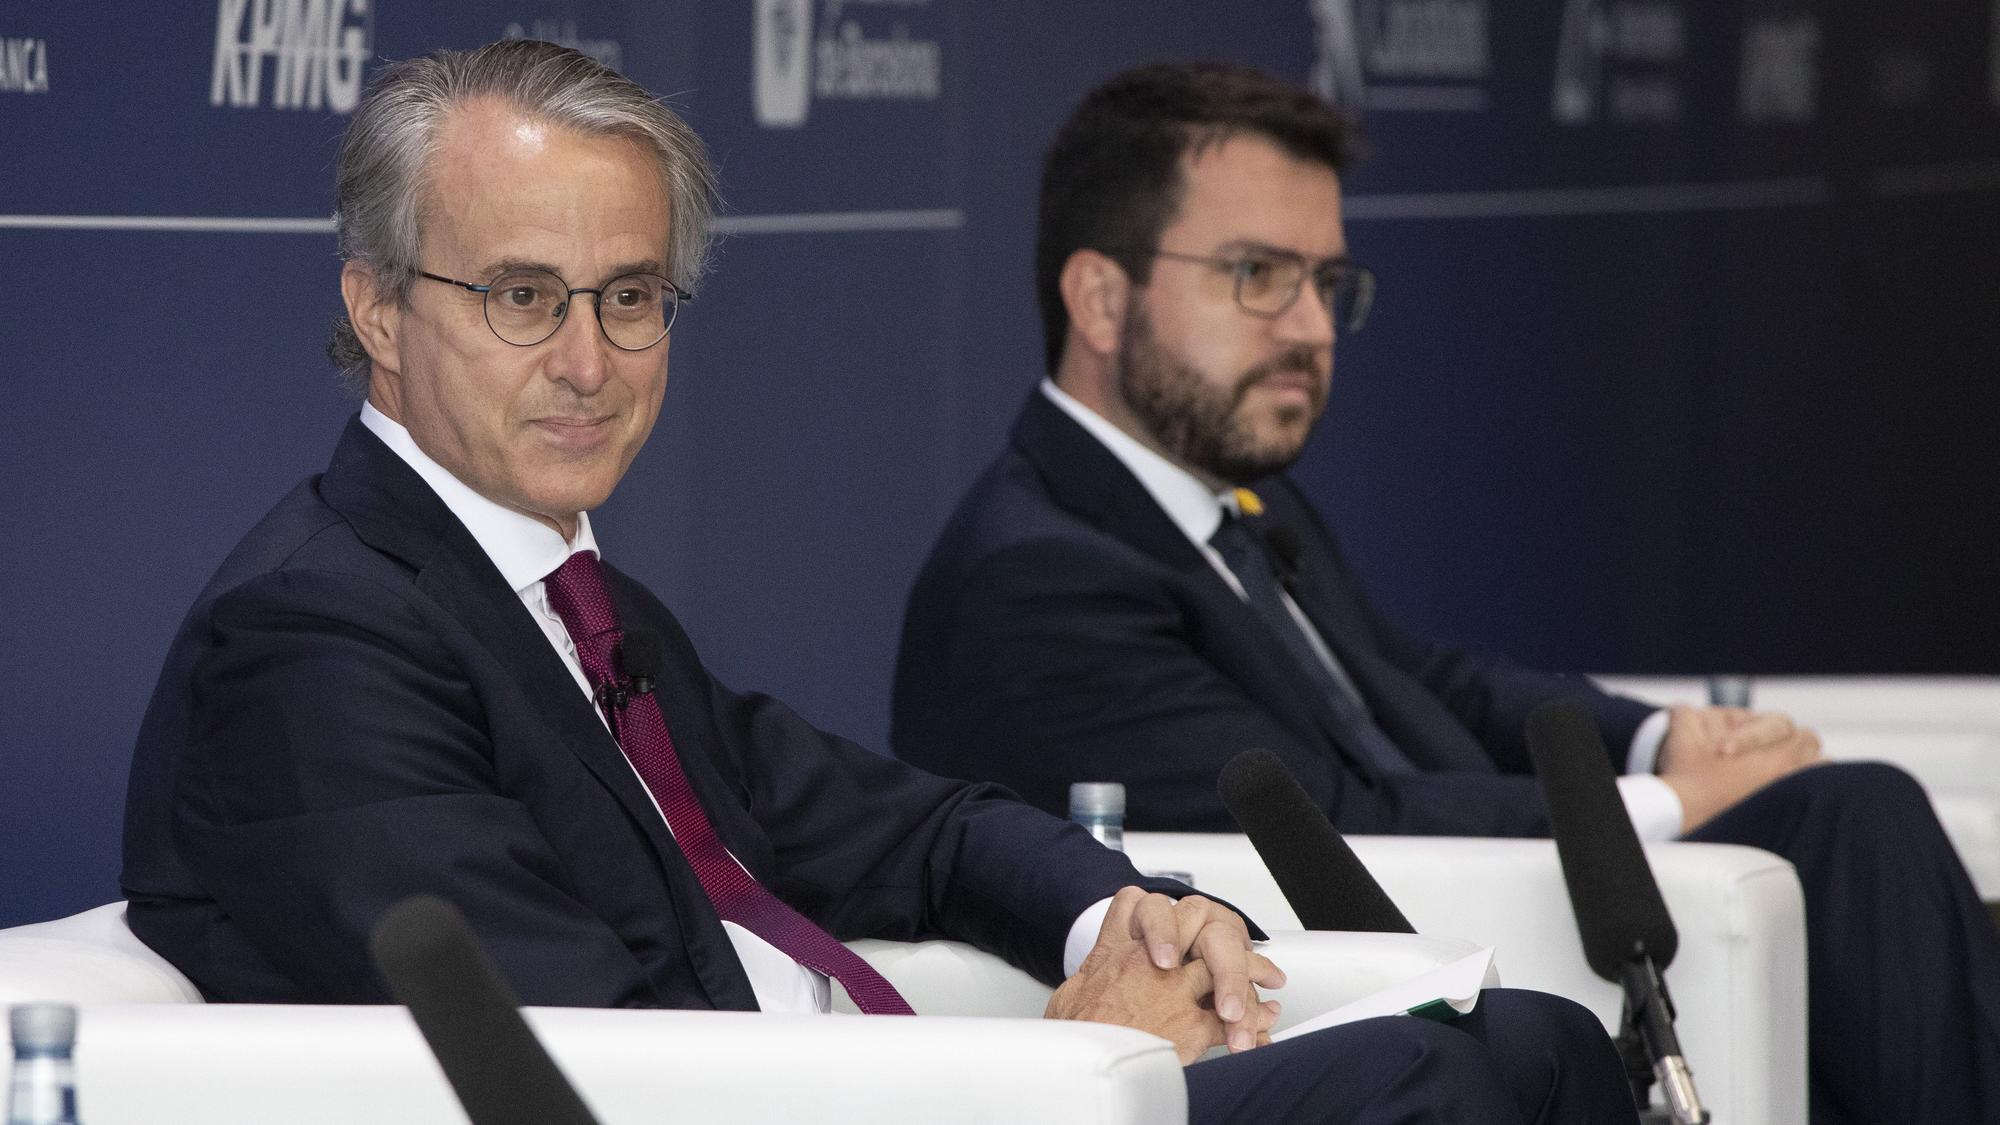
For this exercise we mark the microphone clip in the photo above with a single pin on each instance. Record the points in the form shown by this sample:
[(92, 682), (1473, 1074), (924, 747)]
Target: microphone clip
[(613, 695), (618, 694)]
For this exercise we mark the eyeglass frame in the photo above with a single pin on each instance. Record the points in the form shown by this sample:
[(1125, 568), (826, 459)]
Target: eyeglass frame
[(1365, 280), (680, 296)]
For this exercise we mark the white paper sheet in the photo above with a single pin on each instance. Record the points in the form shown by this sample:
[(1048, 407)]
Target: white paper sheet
[(1455, 986)]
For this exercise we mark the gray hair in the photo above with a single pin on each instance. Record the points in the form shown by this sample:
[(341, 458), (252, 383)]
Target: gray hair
[(381, 188)]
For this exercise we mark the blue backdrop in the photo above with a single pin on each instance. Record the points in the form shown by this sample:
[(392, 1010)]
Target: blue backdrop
[(1684, 359)]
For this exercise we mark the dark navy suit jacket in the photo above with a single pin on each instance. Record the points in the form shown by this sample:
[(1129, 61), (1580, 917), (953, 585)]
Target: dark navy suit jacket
[(1065, 629), (359, 708)]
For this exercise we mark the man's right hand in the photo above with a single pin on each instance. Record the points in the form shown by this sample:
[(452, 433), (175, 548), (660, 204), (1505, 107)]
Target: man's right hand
[(1714, 757)]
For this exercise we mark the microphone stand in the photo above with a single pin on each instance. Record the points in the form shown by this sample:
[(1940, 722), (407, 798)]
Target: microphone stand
[(1650, 1049)]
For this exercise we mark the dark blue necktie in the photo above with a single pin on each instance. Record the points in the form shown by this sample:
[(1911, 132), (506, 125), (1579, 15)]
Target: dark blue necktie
[(1250, 560)]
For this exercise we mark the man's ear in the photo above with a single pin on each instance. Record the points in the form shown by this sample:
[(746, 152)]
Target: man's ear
[(1095, 290), (375, 315)]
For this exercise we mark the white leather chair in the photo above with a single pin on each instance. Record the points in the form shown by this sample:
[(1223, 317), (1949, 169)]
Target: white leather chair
[(1739, 979), (148, 1051), (1944, 730)]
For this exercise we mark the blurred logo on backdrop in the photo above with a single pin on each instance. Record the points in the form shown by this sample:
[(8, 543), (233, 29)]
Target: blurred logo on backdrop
[(1409, 55), (1777, 81), (563, 33), (851, 50), (24, 66), (316, 51), (1619, 61)]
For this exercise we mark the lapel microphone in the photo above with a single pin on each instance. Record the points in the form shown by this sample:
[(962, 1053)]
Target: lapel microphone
[(637, 659), (1287, 553)]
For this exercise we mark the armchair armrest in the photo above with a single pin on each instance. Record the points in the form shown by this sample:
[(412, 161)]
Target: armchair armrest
[(87, 958), (1943, 730), (214, 1064), (1739, 978)]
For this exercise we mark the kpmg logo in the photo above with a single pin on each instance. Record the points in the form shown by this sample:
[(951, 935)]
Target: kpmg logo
[(1402, 54), (841, 55), (24, 66), (318, 50)]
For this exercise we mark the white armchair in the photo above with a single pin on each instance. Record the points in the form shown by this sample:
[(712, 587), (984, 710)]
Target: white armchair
[(149, 1051), (1739, 979), (1944, 730)]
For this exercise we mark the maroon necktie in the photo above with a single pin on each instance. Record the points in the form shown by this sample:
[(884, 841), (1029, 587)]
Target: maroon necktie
[(578, 595)]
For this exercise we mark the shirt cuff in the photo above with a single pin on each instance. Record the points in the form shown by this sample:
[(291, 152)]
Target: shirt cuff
[(1652, 804), (1083, 935), (1643, 756)]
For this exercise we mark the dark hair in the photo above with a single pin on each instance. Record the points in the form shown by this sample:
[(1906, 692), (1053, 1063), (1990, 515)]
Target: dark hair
[(1112, 179)]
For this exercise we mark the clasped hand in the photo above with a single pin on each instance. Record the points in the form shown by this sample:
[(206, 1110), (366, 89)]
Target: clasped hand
[(1714, 757), (1181, 969)]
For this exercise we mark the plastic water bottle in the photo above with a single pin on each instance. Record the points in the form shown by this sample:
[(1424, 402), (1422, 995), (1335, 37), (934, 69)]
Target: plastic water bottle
[(1728, 691), (44, 1088), (1100, 807)]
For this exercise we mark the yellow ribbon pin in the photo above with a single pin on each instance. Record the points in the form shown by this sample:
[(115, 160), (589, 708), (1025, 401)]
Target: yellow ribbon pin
[(1248, 504)]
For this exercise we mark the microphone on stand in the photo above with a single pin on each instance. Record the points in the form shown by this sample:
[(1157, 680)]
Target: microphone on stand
[(471, 1019), (1628, 936), (1320, 876)]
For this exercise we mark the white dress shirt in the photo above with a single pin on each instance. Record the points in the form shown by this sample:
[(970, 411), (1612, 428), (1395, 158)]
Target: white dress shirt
[(1654, 807), (525, 550)]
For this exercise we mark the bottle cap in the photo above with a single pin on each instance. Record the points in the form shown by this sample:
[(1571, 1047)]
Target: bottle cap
[(43, 1027), (1097, 798)]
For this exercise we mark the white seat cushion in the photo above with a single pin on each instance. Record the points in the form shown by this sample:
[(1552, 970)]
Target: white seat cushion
[(87, 958)]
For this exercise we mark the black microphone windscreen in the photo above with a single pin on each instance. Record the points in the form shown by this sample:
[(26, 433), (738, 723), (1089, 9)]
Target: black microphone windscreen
[(471, 1019), (640, 653), (1318, 873), (1619, 912)]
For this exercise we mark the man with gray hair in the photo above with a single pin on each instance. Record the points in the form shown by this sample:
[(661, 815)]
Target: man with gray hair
[(415, 675)]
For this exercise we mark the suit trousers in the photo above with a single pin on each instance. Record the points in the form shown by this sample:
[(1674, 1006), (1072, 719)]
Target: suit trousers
[(1518, 1057), (1903, 960)]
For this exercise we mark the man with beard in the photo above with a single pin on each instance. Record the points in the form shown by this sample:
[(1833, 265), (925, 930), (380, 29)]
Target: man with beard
[(1135, 592)]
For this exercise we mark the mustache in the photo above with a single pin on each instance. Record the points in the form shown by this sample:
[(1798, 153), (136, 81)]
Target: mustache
[(1299, 360)]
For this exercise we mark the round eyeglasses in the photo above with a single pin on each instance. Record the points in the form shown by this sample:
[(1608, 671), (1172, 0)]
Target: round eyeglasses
[(526, 306), (1269, 281)]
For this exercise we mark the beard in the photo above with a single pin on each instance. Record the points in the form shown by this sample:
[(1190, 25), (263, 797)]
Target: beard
[(1202, 425)]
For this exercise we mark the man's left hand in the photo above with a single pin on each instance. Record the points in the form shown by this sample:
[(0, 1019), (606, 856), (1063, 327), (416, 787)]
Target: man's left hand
[(1696, 733), (1174, 937)]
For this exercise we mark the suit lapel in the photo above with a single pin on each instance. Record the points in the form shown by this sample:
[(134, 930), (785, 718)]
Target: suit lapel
[(1088, 480), (393, 510), (1405, 709)]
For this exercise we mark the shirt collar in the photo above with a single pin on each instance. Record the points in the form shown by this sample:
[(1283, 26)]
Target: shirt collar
[(1181, 494), (523, 548)]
